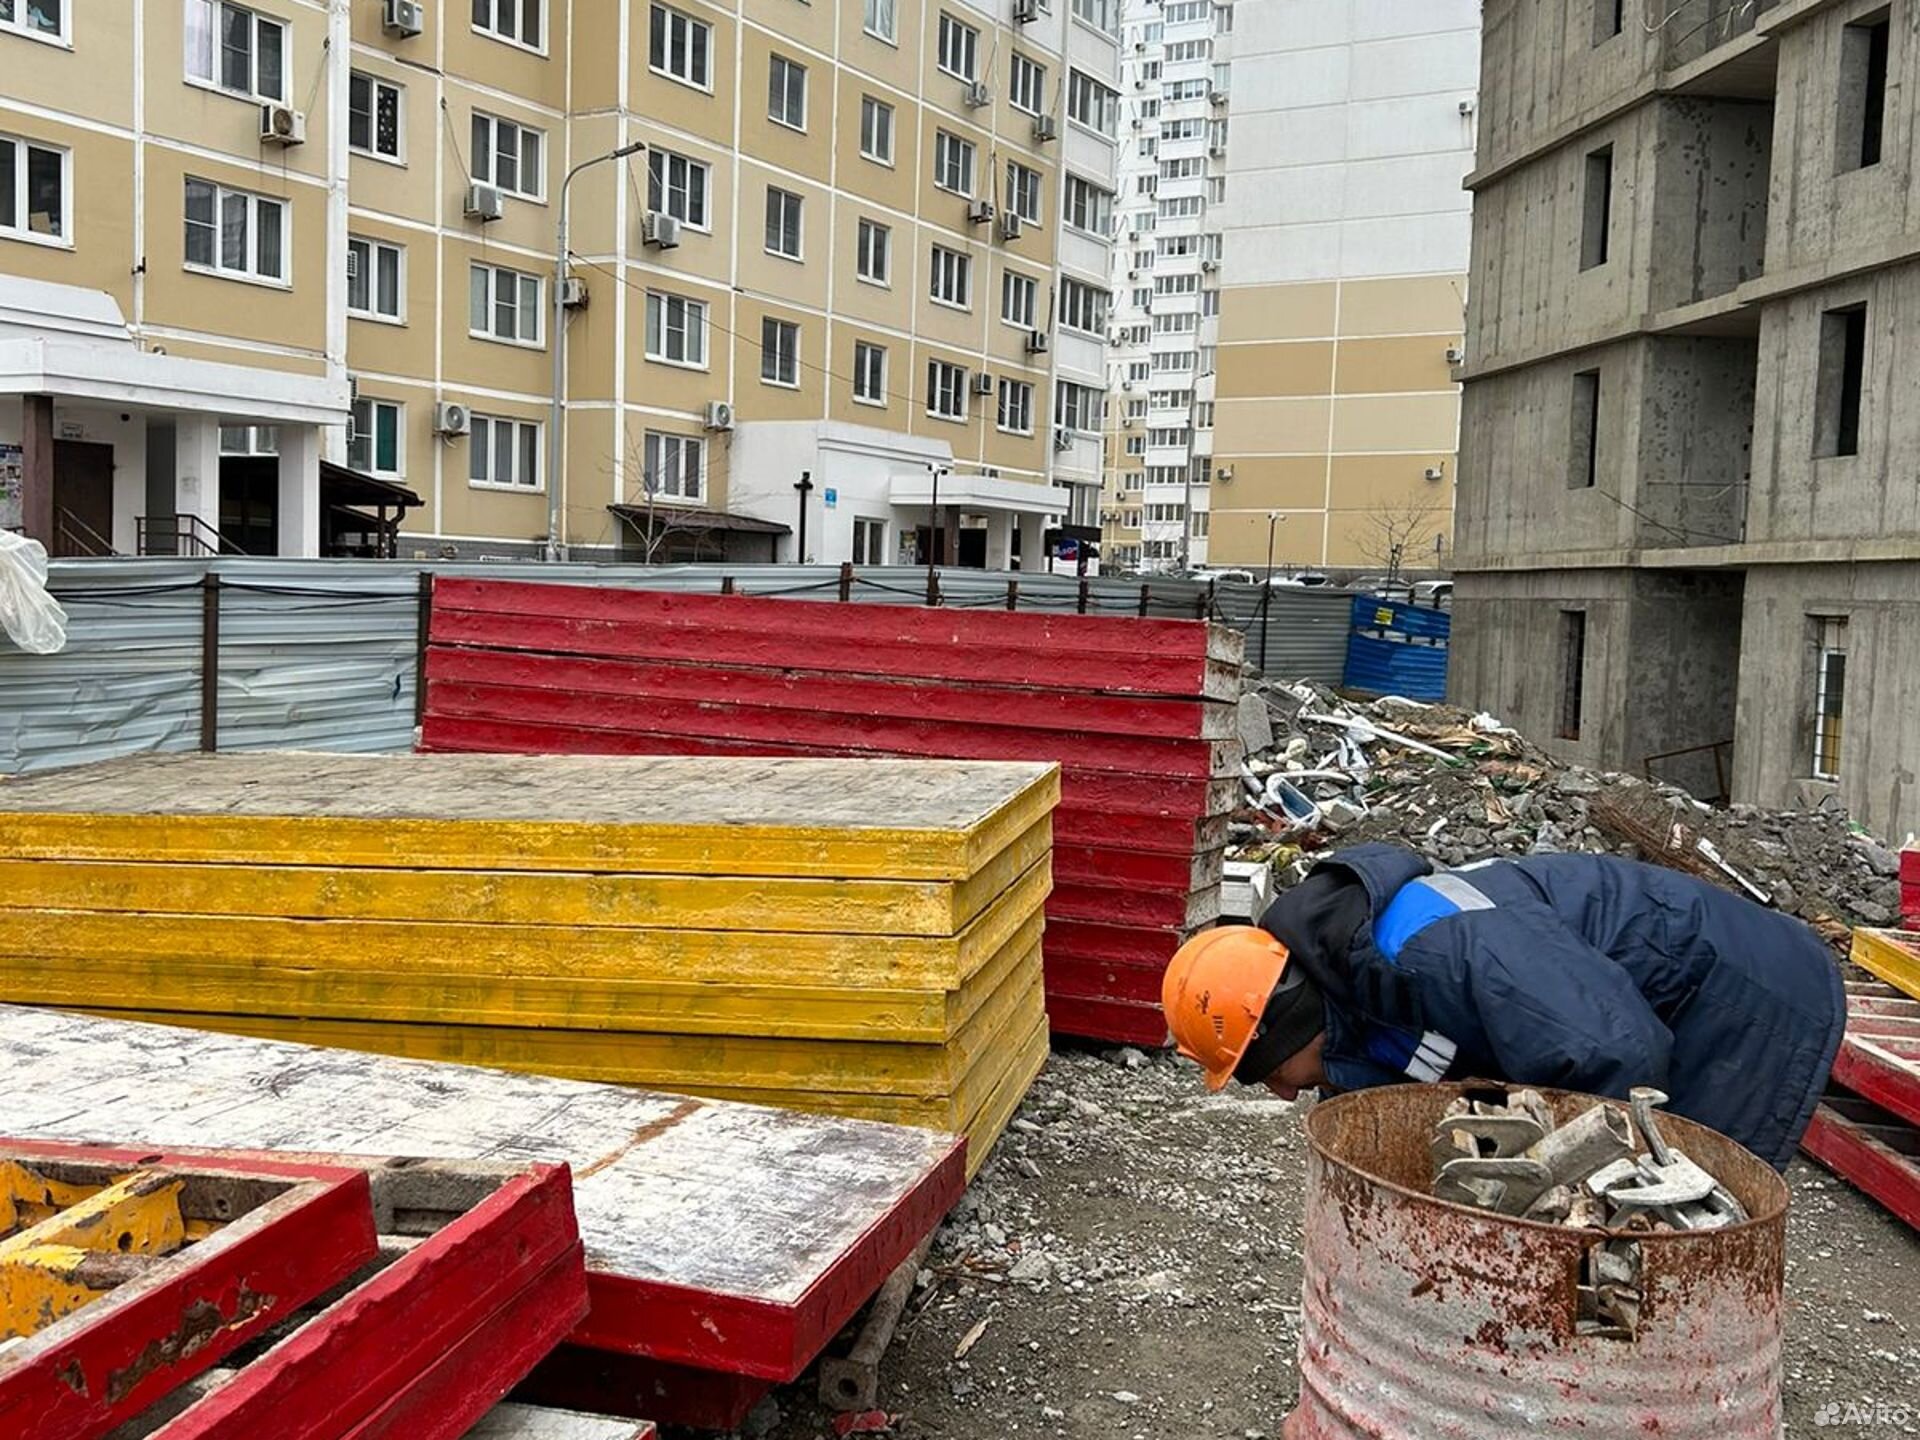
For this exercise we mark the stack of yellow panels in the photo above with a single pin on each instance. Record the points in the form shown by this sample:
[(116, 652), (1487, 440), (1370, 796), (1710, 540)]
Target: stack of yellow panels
[(860, 937)]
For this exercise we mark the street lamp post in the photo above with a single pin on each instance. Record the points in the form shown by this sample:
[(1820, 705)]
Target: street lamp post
[(557, 418), (934, 530), (1274, 517)]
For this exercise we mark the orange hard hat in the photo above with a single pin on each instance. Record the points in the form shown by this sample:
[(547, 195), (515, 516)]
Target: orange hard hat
[(1216, 990)]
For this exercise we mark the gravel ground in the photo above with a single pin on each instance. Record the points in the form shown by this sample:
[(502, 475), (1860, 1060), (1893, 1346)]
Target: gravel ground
[(1132, 1250)]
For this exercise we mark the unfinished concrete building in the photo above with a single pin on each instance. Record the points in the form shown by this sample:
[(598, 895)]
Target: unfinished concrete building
[(1688, 520)]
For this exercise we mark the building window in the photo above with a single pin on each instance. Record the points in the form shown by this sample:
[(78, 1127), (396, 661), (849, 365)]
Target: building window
[(678, 186), (1092, 104), (516, 21), (374, 288), (504, 452), (249, 440), (42, 19), (1597, 221), (786, 92), (503, 304), (33, 190), (869, 373), (1863, 94), (1023, 192), (1083, 307), (873, 252), (959, 47), (375, 446), (879, 20), (507, 155), (951, 278), (1136, 445), (876, 130), (1829, 693), (1089, 208), (674, 465), (869, 541), (780, 353), (1573, 672), (1843, 364), (1078, 407), (1016, 407), (1027, 85), (234, 50), (1018, 296), (676, 330), (1103, 15), (1609, 18), (953, 163), (1583, 456), (783, 223), (373, 116), (946, 390), (681, 47), (235, 233)]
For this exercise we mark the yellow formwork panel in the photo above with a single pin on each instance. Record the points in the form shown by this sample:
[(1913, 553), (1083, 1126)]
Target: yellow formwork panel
[(653, 815), (309, 959), (691, 1063), (986, 1128), (44, 1269), (439, 993), (1893, 955), (704, 902)]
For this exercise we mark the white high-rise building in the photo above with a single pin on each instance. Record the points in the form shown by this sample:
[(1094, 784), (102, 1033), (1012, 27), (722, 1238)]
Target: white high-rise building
[(1175, 79)]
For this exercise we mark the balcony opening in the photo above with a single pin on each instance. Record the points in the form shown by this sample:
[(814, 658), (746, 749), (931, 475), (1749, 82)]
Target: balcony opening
[(1583, 461), (1843, 360), (1597, 220), (1609, 17), (1573, 668), (1863, 93)]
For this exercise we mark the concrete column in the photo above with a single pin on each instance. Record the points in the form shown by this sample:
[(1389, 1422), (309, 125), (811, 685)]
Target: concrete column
[(1033, 544), (196, 479), (36, 479), (999, 540), (129, 484), (299, 522)]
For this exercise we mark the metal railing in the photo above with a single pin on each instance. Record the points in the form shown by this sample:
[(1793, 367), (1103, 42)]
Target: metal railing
[(186, 536), (75, 537)]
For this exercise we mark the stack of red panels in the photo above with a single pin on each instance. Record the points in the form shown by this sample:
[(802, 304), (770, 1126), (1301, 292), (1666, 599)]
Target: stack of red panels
[(1910, 889), (1138, 713), (1867, 1129)]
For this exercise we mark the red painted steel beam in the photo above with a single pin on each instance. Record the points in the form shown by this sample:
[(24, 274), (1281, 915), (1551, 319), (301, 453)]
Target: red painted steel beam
[(507, 1272), (802, 689), (1859, 1154), (104, 1363), (575, 1377)]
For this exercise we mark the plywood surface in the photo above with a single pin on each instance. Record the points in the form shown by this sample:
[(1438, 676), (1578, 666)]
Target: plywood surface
[(797, 816), (535, 1422)]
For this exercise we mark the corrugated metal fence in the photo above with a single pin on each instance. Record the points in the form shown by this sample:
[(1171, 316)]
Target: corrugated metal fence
[(322, 654)]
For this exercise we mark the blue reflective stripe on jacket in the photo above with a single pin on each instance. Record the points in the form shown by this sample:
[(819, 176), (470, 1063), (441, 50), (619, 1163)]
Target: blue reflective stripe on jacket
[(1594, 974)]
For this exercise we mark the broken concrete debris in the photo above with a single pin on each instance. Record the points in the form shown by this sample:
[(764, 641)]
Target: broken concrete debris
[(1458, 786)]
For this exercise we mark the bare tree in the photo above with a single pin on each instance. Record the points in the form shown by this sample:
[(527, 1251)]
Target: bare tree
[(1398, 537), (665, 515)]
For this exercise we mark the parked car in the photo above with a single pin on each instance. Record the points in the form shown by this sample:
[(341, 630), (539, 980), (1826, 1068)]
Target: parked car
[(1433, 592), (1302, 579)]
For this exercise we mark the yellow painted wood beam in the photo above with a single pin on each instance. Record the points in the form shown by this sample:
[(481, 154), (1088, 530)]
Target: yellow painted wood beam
[(1893, 955), (68, 1260), (42, 945), (845, 906)]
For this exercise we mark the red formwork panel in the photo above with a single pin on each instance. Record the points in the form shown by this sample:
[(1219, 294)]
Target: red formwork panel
[(1071, 979), (1116, 905), (1151, 834), (1879, 1057), (1118, 865), (1910, 889), (430, 1343), (804, 689), (1121, 1022), (103, 1363), (1872, 1150), (1133, 946), (633, 1386), (1182, 658), (855, 734)]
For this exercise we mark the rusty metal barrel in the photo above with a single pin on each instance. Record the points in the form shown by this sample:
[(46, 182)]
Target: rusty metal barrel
[(1426, 1320)]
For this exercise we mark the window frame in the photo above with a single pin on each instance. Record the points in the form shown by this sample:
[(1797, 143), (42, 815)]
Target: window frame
[(521, 131), (255, 201), (537, 307), (21, 26), (214, 53), (956, 265), (777, 354), (776, 63), (1010, 280), (1104, 99), (944, 378), (799, 214), (654, 445), (370, 272), (1829, 696), (966, 37), (492, 32), (375, 84), (1010, 386), (660, 163), (878, 107), (1035, 75), (694, 330), (875, 528), (863, 250), (1092, 192), (374, 406), (520, 449), (693, 23), (890, 9), (22, 230), (946, 147), (1097, 305), (1023, 181), (878, 399)]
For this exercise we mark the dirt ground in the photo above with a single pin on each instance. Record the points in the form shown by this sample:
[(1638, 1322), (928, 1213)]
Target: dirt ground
[(1133, 1251)]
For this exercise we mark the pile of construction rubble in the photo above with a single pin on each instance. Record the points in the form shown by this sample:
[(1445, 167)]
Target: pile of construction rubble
[(1324, 773)]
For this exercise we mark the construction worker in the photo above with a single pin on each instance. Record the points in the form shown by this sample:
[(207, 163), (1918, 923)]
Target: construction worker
[(1582, 972)]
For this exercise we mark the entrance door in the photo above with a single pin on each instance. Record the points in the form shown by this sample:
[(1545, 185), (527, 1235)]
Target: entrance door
[(250, 504), (82, 498)]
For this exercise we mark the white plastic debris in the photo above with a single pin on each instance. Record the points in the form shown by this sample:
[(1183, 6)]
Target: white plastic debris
[(31, 617)]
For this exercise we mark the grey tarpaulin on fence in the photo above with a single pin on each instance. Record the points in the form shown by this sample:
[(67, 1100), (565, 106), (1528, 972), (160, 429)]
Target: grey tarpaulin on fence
[(321, 654)]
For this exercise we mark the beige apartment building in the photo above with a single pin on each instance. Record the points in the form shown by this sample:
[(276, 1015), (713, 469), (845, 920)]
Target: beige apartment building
[(863, 246)]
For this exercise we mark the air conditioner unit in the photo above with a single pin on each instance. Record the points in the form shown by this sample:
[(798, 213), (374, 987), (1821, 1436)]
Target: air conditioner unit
[(282, 125), (1140, 46), (659, 230), (1133, 274), (1138, 123), (982, 383), (573, 293), (1224, 473), (1469, 105), (1140, 83), (1209, 266), (404, 18), (1436, 472), (1010, 226), (1044, 128), (1216, 150), (484, 202), (1025, 12), (1126, 384), (1063, 440), (353, 264), (980, 212), (353, 431), (450, 418), (1039, 342), (1455, 354), (1216, 97), (719, 415), (978, 95)]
